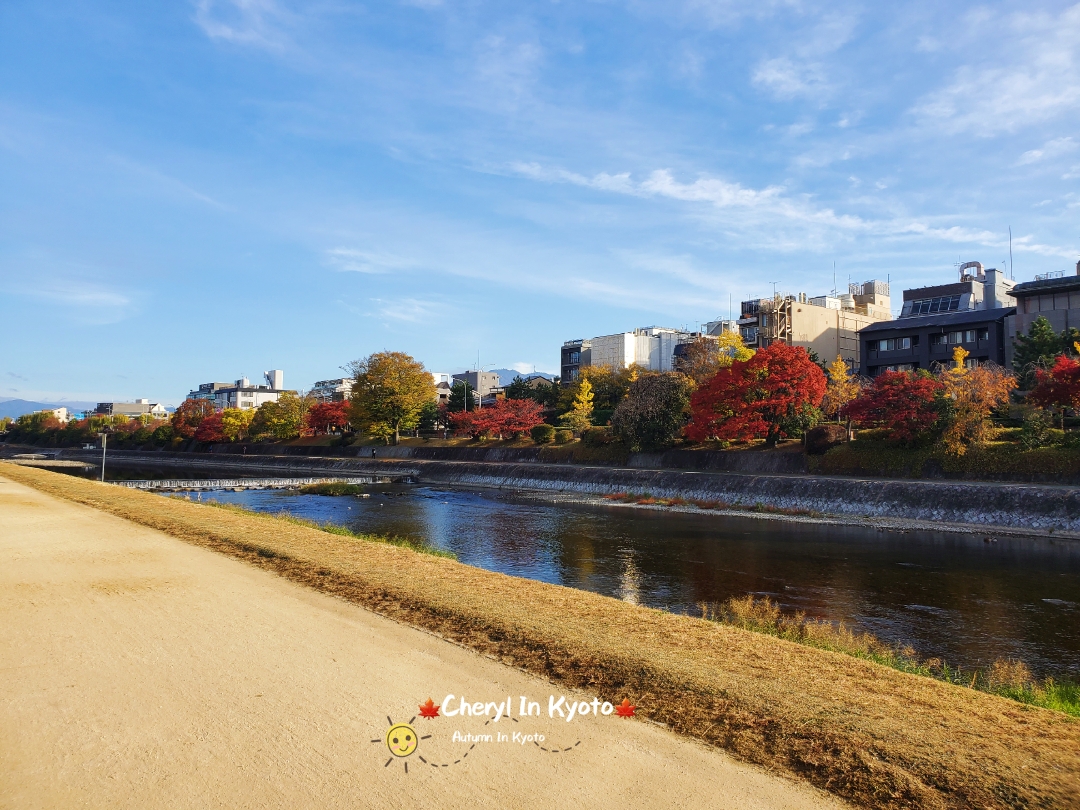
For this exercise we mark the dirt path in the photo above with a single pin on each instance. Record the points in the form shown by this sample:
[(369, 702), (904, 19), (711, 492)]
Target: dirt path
[(139, 671)]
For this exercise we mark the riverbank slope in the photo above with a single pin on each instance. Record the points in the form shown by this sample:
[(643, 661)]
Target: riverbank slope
[(875, 736)]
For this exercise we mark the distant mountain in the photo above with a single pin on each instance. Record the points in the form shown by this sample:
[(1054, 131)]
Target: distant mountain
[(17, 407), (506, 375)]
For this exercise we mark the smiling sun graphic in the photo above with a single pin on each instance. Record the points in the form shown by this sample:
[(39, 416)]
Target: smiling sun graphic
[(401, 739)]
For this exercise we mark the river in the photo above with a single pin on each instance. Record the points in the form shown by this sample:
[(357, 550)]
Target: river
[(952, 596)]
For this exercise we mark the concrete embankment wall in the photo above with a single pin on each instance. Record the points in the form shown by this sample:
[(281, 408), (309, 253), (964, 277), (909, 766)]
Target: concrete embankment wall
[(1017, 506)]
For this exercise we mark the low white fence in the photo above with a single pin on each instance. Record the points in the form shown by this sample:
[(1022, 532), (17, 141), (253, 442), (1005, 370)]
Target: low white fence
[(199, 485)]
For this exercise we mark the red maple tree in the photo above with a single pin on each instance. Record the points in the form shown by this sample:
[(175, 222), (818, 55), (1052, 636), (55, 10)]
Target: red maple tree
[(429, 709), (505, 417), (326, 416), (187, 418), (901, 402), (1059, 387), (767, 396), (210, 429)]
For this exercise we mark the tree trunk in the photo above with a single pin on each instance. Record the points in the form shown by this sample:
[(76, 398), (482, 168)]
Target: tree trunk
[(397, 432)]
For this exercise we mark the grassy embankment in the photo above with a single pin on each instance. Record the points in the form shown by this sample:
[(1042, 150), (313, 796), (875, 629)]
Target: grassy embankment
[(875, 735)]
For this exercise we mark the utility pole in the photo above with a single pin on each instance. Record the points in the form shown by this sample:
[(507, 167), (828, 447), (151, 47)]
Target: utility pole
[(104, 441)]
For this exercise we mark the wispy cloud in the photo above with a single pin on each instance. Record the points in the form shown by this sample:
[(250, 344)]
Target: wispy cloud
[(1033, 80), (247, 22), (1049, 150), (410, 310), (83, 302), (771, 211), (366, 261)]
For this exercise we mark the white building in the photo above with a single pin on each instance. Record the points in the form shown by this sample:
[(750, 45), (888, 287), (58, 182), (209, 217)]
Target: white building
[(333, 390), (60, 414), (651, 347), (242, 394)]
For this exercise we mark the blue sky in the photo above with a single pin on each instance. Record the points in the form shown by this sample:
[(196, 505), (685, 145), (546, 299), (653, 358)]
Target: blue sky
[(196, 191)]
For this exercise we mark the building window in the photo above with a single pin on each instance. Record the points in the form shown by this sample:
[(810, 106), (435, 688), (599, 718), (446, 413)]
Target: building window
[(969, 336), (956, 337), (928, 306), (984, 333), (892, 344), (938, 340)]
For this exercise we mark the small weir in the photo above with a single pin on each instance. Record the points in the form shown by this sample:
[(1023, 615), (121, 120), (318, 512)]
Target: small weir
[(239, 484)]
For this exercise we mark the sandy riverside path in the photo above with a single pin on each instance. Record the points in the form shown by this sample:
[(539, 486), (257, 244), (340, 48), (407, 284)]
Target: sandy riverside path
[(139, 671)]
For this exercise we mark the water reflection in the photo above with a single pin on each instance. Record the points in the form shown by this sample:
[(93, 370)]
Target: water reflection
[(953, 596)]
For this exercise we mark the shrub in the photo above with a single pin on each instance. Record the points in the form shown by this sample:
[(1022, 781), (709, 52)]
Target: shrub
[(597, 437), (563, 436), (1035, 430), (821, 439), (542, 434)]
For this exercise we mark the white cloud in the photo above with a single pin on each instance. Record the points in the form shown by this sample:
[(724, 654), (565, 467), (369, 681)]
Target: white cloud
[(770, 218), (83, 302), (786, 79), (366, 261), (1050, 149), (410, 310), (248, 22), (1032, 80)]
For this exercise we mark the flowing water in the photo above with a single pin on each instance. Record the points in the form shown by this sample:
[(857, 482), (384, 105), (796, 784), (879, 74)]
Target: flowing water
[(952, 596)]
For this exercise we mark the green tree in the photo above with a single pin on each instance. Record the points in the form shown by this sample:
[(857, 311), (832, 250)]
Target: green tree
[(654, 412), (539, 390), (283, 419), (429, 416), (389, 391), (462, 397), (1038, 348)]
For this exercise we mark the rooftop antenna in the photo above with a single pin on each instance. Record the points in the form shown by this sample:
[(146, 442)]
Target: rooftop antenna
[(1012, 271), (834, 278), (729, 306)]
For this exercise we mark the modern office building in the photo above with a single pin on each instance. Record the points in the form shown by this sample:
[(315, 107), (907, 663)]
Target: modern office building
[(972, 312), (1054, 296), (828, 325)]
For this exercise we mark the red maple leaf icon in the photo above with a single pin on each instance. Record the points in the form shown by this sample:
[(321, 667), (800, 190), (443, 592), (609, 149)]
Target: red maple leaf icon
[(625, 709), (429, 709)]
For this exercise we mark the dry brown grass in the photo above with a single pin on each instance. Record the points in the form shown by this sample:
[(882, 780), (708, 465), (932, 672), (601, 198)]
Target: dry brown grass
[(873, 735)]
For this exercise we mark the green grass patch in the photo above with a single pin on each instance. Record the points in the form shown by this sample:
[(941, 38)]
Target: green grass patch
[(332, 488), (341, 531), (1009, 679)]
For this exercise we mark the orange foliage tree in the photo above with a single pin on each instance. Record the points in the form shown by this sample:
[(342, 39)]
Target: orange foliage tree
[(772, 395), (973, 395)]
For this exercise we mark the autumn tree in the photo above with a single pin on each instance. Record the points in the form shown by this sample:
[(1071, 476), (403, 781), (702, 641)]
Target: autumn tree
[(774, 394), (282, 419), (608, 386), (327, 416), (654, 412), (1058, 388), (236, 422), (972, 394), (579, 417), (702, 358), (210, 430), (187, 418), (842, 388), (906, 404), (389, 390), (1039, 349), (507, 417)]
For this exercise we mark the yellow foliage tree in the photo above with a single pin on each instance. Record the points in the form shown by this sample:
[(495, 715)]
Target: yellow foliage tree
[(843, 387), (579, 417), (235, 423), (974, 394)]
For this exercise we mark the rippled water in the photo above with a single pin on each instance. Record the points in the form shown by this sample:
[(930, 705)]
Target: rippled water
[(948, 595)]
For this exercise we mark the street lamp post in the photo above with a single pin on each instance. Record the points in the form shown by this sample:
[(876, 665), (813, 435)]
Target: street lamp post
[(104, 440)]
